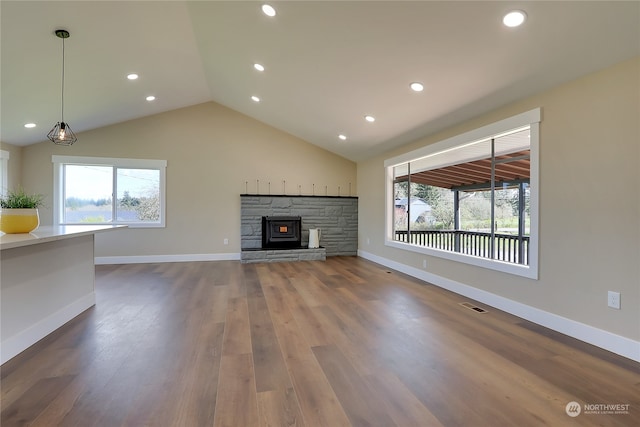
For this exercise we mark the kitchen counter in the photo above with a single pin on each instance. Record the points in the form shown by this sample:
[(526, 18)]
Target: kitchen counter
[(46, 279), (51, 233)]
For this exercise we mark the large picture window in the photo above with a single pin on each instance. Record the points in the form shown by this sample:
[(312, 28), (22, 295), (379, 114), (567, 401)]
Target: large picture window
[(471, 198), (100, 190)]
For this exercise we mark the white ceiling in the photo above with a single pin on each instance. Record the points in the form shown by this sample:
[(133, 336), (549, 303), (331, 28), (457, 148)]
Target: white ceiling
[(328, 63)]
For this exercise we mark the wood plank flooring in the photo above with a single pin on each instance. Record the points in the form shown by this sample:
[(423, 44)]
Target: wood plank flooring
[(344, 342)]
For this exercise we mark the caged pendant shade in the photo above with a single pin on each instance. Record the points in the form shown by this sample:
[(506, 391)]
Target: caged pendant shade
[(61, 134)]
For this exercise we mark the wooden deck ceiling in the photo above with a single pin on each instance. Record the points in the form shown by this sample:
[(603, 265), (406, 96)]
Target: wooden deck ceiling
[(513, 167)]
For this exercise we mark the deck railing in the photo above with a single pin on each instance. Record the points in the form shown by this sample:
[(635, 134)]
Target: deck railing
[(507, 247)]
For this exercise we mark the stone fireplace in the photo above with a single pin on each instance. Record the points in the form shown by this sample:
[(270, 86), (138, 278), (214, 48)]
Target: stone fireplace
[(336, 216)]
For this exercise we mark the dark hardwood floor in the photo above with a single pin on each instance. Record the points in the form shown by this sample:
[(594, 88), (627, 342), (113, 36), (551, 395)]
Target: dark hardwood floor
[(344, 342)]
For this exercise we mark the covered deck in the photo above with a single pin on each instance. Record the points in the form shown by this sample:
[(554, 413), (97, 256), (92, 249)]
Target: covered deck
[(504, 171)]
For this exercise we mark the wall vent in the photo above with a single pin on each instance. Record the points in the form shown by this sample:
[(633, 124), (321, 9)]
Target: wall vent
[(473, 307)]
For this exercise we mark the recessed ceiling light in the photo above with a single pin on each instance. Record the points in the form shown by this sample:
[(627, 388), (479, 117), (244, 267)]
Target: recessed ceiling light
[(514, 18), (370, 119), (255, 98), (258, 67), (29, 125), (268, 10), (150, 98), (416, 87), (342, 137), (132, 76)]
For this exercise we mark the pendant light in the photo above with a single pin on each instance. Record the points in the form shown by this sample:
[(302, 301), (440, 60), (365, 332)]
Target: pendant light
[(61, 134)]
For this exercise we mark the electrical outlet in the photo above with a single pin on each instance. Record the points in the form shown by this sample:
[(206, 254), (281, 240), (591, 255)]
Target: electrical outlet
[(226, 241), (424, 263), (368, 241), (613, 299)]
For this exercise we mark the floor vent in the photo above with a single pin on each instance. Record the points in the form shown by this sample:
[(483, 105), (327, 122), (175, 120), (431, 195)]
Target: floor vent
[(473, 307)]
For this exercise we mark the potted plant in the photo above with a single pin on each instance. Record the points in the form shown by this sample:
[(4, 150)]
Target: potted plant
[(19, 212)]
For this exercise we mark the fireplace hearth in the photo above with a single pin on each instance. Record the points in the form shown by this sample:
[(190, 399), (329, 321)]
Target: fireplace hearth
[(281, 232)]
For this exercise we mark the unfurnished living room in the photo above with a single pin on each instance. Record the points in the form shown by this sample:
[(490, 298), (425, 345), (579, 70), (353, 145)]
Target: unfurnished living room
[(319, 213)]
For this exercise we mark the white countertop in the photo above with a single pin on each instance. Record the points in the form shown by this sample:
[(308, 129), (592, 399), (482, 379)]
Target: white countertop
[(50, 233)]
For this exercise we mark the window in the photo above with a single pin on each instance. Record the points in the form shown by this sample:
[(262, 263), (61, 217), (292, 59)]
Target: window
[(4, 167), (96, 190), (471, 198)]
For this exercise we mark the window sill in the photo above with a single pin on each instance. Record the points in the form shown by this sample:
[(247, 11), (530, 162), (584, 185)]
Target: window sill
[(529, 271), (128, 224)]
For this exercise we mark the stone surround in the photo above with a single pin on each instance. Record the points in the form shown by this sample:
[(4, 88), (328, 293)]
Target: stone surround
[(336, 217), (280, 255)]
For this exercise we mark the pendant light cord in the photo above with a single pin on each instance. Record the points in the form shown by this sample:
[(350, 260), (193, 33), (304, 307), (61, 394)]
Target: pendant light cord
[(62, 80)]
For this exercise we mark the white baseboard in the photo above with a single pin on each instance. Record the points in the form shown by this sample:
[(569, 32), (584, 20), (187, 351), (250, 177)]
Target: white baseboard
[(609, 341), (145, 259), (21, 341)]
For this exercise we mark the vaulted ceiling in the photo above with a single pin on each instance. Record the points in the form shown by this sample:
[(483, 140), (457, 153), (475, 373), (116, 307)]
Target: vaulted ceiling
[(327, 63)]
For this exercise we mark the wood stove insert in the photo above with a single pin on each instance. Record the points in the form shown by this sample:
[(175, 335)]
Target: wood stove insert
[(281, 232)]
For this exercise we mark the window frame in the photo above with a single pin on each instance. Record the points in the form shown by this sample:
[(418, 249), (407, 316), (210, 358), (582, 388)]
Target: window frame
[(4, 172), (59, 162), (529, 118)]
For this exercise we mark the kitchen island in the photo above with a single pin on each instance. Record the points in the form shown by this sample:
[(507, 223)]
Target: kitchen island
[(46, 279)]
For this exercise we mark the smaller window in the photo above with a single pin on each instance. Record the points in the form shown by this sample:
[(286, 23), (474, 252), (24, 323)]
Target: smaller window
[(96, 190), (4, 167)]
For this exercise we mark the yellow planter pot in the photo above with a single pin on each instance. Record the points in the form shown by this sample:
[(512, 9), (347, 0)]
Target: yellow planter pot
[(13, 221)]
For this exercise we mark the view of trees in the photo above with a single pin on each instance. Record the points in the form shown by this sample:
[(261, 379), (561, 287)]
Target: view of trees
[(144, 208), (147, 208), (475, 208), (74, 203)]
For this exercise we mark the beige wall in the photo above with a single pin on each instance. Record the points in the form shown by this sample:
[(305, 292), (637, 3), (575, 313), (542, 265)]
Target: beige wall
[(210, 151), (589, 204), (14, 169)]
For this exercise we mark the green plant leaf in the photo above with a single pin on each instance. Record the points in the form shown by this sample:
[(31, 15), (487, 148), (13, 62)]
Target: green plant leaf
[(19, 199)]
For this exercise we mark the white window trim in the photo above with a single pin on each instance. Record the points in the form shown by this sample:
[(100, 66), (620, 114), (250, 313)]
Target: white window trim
[(4, 170), (531, 118), (60, 161)]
